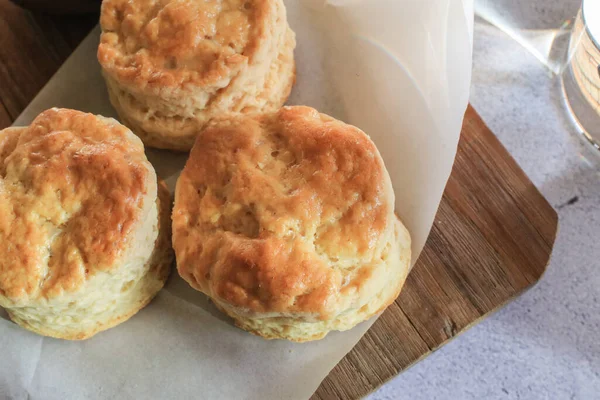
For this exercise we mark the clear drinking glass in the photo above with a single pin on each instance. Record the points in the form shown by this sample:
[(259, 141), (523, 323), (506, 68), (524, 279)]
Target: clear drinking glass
[(565, 37), (580, 76)]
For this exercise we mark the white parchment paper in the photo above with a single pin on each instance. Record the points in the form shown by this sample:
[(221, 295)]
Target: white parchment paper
[(399, 70)]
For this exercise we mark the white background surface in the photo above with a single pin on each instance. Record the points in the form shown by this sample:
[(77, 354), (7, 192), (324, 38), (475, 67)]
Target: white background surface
[(546, 344)]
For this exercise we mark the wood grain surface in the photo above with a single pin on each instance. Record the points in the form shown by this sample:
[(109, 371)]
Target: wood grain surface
[(491, 239)]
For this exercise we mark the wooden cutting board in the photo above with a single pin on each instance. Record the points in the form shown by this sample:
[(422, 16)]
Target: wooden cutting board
[(491, 239)]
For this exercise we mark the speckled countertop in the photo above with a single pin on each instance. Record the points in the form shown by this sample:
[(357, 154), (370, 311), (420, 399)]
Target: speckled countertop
[(546, 344)]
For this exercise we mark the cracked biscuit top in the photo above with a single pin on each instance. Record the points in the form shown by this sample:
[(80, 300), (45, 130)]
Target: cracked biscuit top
[(73, 187), (283, 213), (170, 43)]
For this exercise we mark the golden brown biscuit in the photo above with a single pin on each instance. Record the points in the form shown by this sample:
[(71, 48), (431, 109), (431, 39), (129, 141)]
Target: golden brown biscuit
[(172, 65), (84, 227), (286, 220)]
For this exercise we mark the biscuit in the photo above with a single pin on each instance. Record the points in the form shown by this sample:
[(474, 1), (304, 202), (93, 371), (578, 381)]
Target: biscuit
[(84, 225), (286, 221), (171, 66)]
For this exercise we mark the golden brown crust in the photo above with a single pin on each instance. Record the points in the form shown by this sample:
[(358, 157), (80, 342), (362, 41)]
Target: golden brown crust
[(59, 180), (295, 328), (160, 268), (84, 225), (172, 43), (282, 213)]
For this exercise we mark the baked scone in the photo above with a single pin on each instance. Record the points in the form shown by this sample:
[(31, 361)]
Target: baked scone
[(84, 226), (172, 65), (286, 221)]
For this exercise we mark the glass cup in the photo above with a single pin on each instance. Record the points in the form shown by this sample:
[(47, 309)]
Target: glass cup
[(565, 37), (580, 76)]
